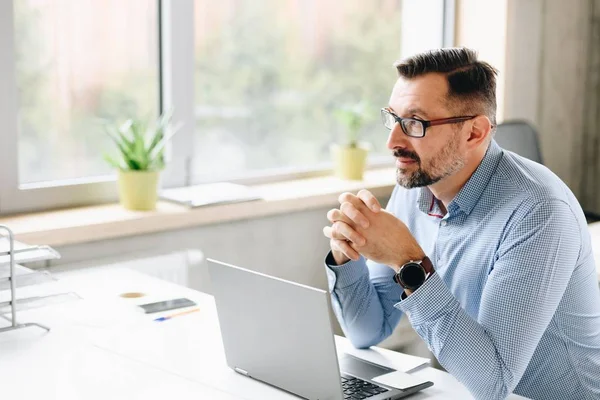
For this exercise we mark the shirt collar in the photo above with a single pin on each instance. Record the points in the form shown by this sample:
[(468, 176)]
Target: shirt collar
[(469, 194), (428, 204)]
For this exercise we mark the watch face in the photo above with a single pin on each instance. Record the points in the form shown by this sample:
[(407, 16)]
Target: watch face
[(412, 276)]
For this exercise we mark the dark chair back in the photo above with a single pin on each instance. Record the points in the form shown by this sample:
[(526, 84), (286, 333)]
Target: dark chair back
[(521, 138)]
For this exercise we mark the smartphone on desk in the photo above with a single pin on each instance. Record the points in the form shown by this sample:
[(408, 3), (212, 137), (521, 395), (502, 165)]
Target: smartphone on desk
[(167, 305)]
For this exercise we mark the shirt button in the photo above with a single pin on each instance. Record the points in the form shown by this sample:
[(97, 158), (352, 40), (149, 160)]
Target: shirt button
[(444, 222)]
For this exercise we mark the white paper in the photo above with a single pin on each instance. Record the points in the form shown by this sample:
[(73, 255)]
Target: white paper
[(19, 270), (36, 253), (210, 193), (5, 245), (387, 358), (399, 380)]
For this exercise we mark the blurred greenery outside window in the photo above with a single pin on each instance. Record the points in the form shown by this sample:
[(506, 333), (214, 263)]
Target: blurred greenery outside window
[(268, 77), (78, 61), (270, 73)]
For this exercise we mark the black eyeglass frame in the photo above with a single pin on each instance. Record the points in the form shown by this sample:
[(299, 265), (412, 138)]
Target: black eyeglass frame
[(425, 124)]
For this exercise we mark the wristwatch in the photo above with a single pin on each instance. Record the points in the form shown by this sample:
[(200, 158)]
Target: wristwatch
[(414, 273)]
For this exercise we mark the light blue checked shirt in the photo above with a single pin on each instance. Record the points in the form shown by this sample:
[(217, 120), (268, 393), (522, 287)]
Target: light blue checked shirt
[(514, 305)]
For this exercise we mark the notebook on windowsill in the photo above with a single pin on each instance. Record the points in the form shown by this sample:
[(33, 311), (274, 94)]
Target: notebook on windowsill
[(210, 193)]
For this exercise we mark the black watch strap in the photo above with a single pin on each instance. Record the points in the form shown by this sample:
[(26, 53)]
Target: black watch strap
[(428, 266)]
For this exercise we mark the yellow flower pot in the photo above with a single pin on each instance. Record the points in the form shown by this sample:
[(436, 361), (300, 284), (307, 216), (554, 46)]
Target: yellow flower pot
[(349, 162), (138, 190)]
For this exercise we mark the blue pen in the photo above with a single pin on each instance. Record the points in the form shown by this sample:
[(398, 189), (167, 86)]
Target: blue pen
[(176, 315)]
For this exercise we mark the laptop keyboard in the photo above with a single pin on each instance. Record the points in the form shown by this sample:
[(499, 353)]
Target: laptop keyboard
[(357, 389)]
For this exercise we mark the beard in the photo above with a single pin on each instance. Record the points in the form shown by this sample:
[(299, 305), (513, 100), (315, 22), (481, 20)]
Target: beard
[(443, 164)]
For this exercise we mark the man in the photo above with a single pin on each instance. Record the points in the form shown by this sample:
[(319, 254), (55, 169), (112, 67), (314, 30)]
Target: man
[(486, 252)]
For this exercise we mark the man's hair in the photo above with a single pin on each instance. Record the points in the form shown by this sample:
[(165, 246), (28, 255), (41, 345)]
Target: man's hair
[(471, 83)]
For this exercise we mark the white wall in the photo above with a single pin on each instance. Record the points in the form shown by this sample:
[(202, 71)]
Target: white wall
[(481, 25), (549, 40), (289, 246), (547, 52)]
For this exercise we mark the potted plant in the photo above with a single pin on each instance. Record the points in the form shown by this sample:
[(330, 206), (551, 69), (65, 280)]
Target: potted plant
[(350, 157), (140, 159)]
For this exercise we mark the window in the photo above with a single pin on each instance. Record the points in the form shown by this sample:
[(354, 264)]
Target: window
[(255, 84), (78, 62), (270, 73)]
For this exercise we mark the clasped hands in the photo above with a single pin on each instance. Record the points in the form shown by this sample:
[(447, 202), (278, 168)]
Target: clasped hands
[(362, 227)]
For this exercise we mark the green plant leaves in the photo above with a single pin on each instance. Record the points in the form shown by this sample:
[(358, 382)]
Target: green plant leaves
[(140, 145), (353, 116)]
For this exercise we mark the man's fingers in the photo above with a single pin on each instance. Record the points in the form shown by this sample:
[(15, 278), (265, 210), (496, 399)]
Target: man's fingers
[(342, 231), (348, 214), (364, 200), (335, 215), (331, 234), (355, 215), (348, 197), (346, 248), (370, 200)]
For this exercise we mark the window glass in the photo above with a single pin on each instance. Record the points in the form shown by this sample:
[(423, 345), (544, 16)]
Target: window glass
[(78, 61)]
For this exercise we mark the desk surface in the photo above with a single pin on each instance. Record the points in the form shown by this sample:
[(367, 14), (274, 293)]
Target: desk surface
[(103, 347)]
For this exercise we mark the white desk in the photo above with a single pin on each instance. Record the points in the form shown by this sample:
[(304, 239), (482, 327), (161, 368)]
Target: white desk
[(103, 348)]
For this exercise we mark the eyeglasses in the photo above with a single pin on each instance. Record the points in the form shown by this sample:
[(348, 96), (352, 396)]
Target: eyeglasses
[(416, 127)]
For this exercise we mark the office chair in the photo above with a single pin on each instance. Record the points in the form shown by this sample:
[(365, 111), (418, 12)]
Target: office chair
[(522, 138)]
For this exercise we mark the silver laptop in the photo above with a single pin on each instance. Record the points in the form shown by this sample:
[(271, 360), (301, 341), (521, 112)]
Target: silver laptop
[(279, 332)]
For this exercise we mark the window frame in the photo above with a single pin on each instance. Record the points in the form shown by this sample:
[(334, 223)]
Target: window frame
[(176, 72)]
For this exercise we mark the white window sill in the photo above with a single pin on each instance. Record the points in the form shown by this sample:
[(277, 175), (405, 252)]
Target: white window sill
[(86, 224)]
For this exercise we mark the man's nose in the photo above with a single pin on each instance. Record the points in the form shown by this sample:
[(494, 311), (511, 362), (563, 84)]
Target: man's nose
[(397, 138)]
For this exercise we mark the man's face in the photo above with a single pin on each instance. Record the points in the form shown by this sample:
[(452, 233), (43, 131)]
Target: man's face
[(427, 160)]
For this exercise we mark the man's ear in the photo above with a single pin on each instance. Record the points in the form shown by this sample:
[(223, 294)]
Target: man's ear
[(481, 129)]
